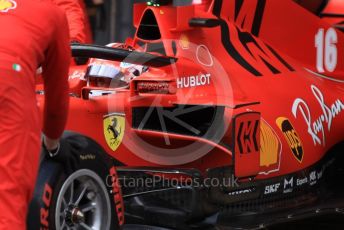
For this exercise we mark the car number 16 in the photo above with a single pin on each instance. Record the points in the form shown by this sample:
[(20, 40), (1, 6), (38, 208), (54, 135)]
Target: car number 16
[(327, 53)]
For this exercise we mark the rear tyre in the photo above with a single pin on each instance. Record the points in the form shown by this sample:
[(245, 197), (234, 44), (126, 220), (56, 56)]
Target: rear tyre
[(82, 199)]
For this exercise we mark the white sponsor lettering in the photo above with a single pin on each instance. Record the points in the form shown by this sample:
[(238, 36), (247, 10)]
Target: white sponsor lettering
[(329, 112), (240, 192), (77, 74), (193, 81), (288, 185), (300, 182), (313, 178), (272, 188)]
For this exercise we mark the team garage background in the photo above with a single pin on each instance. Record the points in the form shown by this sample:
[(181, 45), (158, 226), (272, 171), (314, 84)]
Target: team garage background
[(114, 21)]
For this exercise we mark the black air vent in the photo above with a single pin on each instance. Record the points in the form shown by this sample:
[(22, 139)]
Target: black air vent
[(191, 120), (149, 29)]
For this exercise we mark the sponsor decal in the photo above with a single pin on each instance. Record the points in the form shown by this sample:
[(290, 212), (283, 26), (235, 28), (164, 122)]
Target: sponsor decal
[(313, 178), (77, 74), (297, 181), (184, 42), (300, 182), (317, 125), (241, 192), (87, 157), (44, 212), (270, 189), (270, 149), (246, 134), (292, 137), (114, 126), (117, 195), (247, 137), (6, 5), (288, 185), (193, 81)]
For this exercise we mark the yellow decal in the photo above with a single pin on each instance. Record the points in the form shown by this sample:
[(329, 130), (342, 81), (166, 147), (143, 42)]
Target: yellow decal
[(184, 42), (114, 126), (292, 137), (269, 145), (6, 5)]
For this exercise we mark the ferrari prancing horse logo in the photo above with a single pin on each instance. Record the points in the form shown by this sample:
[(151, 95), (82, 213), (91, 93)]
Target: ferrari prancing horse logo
[(114, 126), (6, 5)]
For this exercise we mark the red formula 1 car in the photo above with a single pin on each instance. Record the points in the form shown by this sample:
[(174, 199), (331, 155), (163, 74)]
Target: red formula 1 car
[(217, 113)]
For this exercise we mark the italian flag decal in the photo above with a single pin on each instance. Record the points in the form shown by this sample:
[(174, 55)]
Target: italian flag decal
[(16, 67)]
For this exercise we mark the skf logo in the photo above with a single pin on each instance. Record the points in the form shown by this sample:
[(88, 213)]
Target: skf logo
[(269, 189), (114, 126), (6, 5), (293, 139)]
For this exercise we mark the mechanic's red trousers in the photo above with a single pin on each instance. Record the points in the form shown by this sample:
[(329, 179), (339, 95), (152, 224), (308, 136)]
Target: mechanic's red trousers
[(19, 146)]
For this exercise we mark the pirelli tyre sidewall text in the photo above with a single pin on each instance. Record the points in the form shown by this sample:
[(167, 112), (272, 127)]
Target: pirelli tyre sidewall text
[(52, 182)]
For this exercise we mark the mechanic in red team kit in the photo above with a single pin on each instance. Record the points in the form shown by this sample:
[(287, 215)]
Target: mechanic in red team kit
[(79, 30), (36, 35)]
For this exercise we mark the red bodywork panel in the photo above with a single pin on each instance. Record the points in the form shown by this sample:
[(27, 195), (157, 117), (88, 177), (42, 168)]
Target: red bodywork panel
[(247, 144), (267, 57)]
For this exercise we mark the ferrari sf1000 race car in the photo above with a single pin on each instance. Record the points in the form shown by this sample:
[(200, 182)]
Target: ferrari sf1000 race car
[(216, 113)]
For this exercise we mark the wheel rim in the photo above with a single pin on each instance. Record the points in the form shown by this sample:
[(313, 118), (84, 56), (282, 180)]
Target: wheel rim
[(83, 203)]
